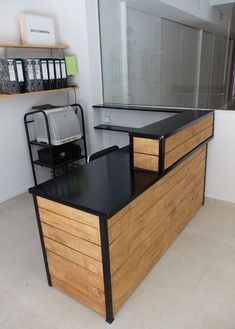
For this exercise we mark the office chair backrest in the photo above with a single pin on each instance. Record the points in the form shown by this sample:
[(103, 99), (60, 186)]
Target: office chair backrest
[(102, 152)]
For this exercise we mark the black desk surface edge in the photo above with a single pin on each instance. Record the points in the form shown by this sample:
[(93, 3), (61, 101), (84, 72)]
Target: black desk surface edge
[(113, 173)]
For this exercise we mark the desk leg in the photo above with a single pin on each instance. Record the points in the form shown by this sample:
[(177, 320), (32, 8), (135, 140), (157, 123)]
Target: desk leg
[(204, 188), (42, 241), (106, 269)]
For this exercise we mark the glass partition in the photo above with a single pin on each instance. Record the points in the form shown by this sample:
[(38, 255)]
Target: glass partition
[(151, 57)]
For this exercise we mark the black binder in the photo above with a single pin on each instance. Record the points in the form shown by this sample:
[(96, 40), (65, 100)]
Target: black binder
[(58, 78), (37, 75), (20, 75), (45, 75), (51, 71), (63, 73), (29, 74), (8, 78)]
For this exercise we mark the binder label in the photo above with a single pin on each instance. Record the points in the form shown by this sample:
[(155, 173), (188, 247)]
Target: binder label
[(44, 71), (11, 71), (30, 72), (20, 71), (37, 71), (63, 70), (57, 70), (51, 70)]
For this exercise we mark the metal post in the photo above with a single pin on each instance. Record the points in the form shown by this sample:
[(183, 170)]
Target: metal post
[(29, 146), (42, 241), (106, 269)]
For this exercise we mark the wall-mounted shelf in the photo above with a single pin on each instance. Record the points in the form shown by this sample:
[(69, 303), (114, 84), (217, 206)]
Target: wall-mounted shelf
[(3, 96), (17, 45)]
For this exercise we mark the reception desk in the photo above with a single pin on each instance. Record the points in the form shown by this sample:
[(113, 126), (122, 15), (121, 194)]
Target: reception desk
[(104, 225)]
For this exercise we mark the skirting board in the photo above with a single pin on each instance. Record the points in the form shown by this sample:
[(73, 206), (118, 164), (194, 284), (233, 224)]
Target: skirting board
[(13, 195)]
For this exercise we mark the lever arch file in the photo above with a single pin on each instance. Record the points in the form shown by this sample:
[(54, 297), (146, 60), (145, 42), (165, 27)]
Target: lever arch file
[(51, 71), (63, 73), (45, 75), (8, 79), (20, 75), (37, 75), (58, 78), (29, 75)]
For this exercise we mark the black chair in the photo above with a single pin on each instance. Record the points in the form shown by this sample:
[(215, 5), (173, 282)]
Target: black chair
[(102, 152)]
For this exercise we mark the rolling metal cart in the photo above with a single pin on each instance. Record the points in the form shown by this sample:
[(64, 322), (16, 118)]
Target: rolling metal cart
[(56, 168)]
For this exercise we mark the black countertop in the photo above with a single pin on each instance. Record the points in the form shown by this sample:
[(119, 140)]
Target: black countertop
[(162, 128), (140, 108), (106, 185), (171, 125), (102, 187)]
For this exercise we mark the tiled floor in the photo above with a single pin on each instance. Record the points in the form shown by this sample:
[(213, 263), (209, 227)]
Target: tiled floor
[(192, 287)]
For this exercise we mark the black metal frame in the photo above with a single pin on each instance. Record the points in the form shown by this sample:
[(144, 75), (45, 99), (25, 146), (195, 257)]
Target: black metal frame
[(205, 172), (161, 157), (106, 268), (49, 145), (42, 241)]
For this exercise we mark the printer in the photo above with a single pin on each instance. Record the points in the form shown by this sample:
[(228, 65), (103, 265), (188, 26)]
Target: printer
[(64, 125)]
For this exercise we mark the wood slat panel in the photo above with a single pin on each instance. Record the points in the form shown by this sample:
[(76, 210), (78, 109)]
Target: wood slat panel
[(145, 161), (150, 193), (78, 282), (187, 133), (124, 283), (75, 214), (186, 147), (144, 225), (63, 269), (142, 243), (68, 225), (147, 199), (96, 304), (146, 145), (74, 256), (71, 241)]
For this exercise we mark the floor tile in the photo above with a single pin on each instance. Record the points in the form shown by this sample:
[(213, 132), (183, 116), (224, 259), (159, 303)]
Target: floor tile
[(216, 220), (20, 206), (23, 318), (192, 286), (215, 293), (7, 305), (176, 271), (193, 317)]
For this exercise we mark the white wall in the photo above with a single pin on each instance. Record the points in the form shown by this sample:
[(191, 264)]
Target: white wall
[(220, 182), (72, 28), (76, 26), (15, 170)]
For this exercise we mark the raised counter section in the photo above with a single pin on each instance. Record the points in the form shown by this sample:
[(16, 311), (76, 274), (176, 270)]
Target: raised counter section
[(156, 147)]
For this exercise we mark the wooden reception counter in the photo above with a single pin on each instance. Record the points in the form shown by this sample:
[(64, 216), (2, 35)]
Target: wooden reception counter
[(104, 225)]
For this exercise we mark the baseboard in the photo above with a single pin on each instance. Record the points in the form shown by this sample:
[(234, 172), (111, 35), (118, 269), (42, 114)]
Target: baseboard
[(218, 200), (13, 195)]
